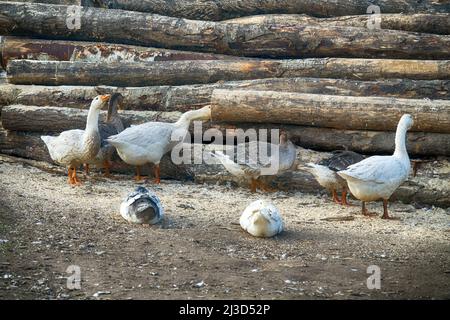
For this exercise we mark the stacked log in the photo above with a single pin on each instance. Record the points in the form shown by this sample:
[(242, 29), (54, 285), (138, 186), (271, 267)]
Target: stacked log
[(187, 97), (421, 22), (187, 72), (55, 119), (226, 9), (12, 48), (252, 40), (367, 113), (317, 70)]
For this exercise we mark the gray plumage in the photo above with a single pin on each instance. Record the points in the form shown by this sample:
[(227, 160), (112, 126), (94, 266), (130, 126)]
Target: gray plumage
[(340, 160), (113, 125), (142, 206)]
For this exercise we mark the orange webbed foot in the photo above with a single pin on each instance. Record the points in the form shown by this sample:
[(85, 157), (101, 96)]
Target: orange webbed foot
[(75, 180)]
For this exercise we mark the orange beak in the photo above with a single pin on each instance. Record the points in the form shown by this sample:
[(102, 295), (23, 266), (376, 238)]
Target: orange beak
[(105, 97)]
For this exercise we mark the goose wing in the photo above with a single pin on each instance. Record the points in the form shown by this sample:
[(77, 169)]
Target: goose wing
[(146, 135), (378, 169), (340, 160), (236, 168), (64, 147)]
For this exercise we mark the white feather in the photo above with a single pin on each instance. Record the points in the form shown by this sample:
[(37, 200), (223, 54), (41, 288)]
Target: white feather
[(261, 219)]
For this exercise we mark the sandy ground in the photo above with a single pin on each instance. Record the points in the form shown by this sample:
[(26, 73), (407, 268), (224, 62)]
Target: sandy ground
[(199, 250)]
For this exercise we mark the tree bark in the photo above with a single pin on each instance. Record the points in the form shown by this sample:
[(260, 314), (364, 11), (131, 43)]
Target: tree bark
[(188, 97), (225, 9), (37, 49), (52, 119), (422, 22), (339, 112), (55, 119), (253, 40), (188, 72), (369, 142)]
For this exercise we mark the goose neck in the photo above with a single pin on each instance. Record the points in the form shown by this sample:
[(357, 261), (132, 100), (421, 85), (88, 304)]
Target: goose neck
[(92, 120), (400, 142)]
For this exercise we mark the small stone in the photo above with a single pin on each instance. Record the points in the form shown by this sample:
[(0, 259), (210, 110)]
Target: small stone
[(100, 293), (200, 284)]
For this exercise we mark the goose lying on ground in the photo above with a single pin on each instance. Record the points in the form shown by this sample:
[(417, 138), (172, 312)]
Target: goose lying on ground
[(261, 219), (378, 177), (75, 147), (142, 206)]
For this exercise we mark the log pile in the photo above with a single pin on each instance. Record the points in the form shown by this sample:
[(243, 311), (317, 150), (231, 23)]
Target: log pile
[(316, 69)]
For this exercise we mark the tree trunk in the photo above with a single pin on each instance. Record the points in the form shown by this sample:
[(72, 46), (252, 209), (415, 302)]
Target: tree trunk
[(253, 40), (51, 119), (188, 97), (54, 119), (225, 9), (38, 49), (422, 22), (339, 112), (188, 72), (369, 142)]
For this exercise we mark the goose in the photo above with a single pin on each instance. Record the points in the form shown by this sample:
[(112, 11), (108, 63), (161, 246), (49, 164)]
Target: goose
[(377, 177), (261, 219), (75, 147), (148, 142), (142, 206), (112, 125), (287, 156), (325, 172)]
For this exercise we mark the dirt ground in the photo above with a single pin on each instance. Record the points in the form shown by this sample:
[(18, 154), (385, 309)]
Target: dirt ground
[(199, 250)]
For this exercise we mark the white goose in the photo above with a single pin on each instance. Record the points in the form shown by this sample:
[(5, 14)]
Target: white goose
[(378, 177), (75, 147), (261, 219), (148, 142)]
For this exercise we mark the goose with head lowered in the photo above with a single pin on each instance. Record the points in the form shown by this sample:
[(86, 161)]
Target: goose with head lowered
[(282, 161), (75, 147), (325, 172), (150, 141), (377, 177)]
